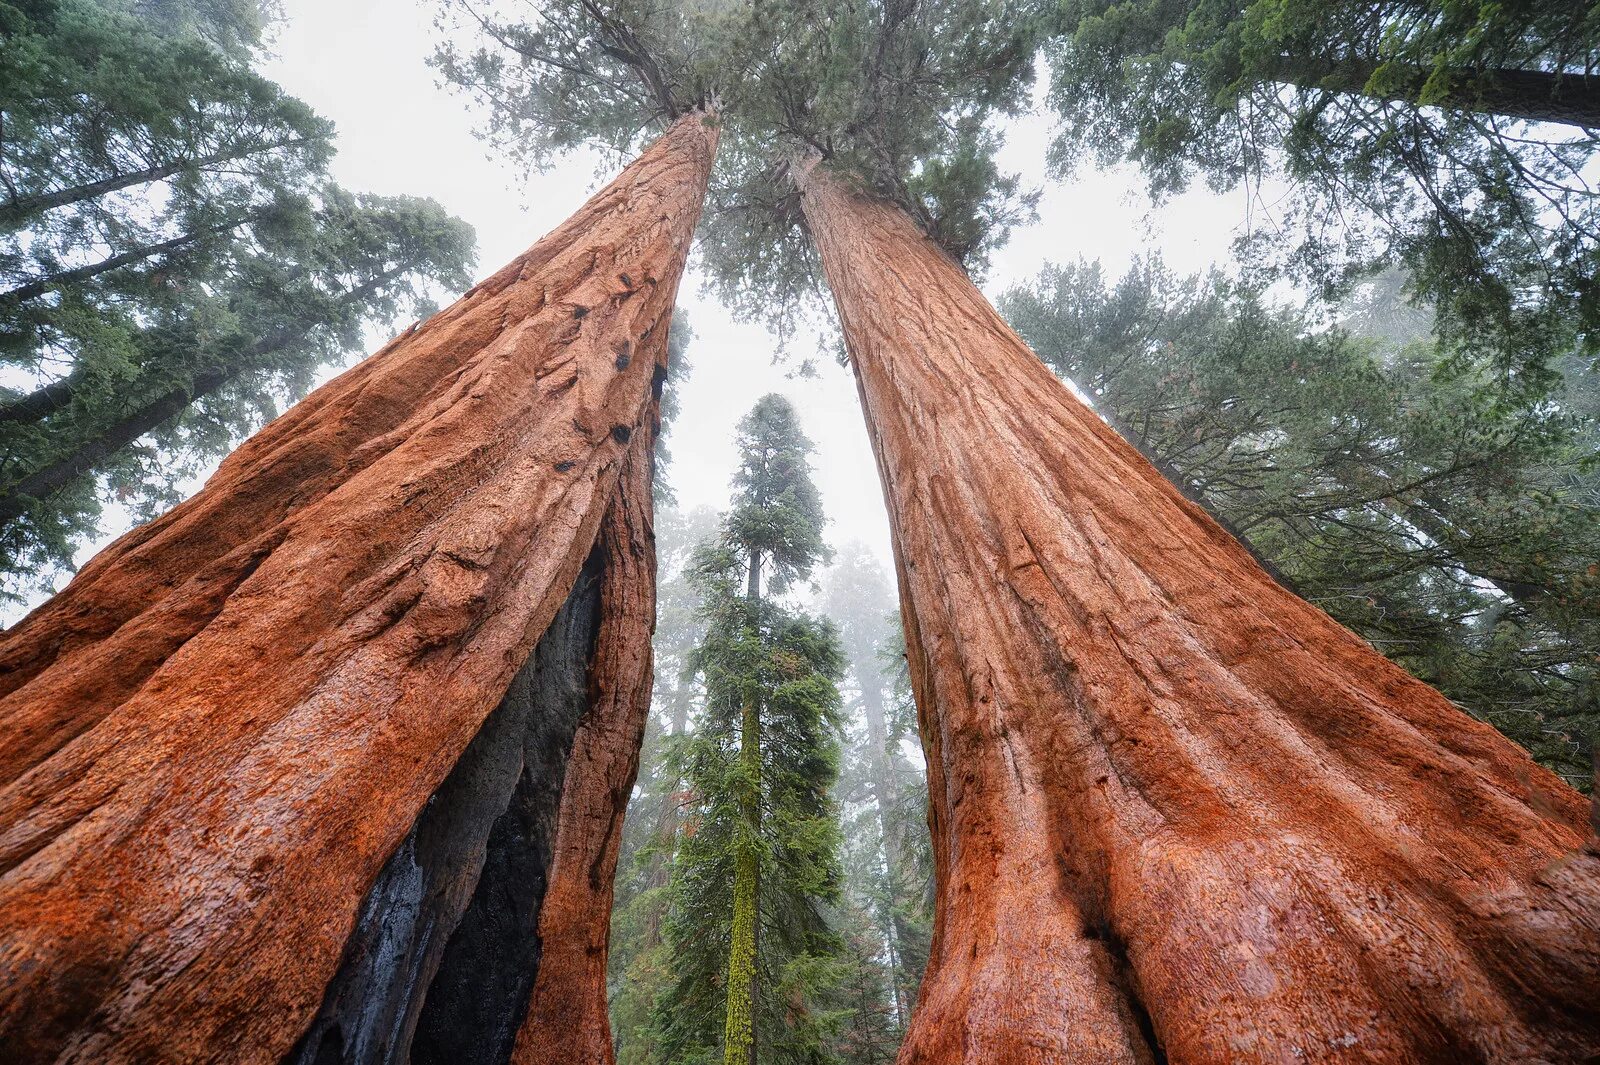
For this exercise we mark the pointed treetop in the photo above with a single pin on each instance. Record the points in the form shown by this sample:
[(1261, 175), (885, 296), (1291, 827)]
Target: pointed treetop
[(776, 520)]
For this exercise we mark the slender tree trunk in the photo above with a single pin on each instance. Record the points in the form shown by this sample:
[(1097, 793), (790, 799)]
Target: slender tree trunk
[(666, 831), (886, 796), (739, 1034), (40, 285), (667, 819), (739, 1040), (233, 716), (50, 478), (43, 400), (1530, 95), (1178, 814)]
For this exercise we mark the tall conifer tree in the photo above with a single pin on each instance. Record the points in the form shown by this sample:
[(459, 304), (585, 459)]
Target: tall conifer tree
[(174, 262), (761, 860)]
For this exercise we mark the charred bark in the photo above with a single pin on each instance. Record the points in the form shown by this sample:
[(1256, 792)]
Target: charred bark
[(1178, 813), (232, 718), (503, 887), (567, 1019), (493, 814)]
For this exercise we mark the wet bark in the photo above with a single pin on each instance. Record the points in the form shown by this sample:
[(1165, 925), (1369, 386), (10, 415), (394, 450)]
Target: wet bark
[(1178, 813), (233, 716), (502, 889)]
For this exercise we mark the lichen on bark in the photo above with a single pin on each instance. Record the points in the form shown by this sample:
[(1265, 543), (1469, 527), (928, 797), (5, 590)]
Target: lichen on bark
[(739, 1037)]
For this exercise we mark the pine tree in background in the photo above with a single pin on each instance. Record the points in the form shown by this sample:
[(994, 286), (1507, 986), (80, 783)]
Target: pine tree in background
[(174, 263), (755, 963), (1138, 743), (1453, 139)]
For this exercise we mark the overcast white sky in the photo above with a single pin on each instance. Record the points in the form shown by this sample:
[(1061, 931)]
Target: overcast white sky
[(362, 64)]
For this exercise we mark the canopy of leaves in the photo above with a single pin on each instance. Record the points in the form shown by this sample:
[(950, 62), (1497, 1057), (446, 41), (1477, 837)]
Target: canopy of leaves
[(900, 94), (1459, 536), (1454, 139)]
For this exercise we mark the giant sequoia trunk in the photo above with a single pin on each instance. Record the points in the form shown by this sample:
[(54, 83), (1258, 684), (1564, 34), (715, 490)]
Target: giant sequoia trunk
[(1178, 813), (502, 889), (215, 738)]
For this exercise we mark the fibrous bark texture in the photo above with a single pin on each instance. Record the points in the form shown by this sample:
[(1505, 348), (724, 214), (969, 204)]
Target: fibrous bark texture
[(566, 1018), (1178, 813), (213, 740), (491, 821)]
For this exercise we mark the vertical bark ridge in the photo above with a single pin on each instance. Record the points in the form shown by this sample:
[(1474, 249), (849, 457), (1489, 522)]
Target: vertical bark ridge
[(231, 718), (567, 1018), (1141, 746), (504, 883)]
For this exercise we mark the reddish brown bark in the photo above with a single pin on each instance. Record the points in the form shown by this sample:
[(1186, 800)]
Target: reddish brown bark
[(567, 1020), (211, 741), (1178, 813)]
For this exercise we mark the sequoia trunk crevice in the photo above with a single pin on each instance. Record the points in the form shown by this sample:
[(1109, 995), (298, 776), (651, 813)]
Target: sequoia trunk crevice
[(1159, 782), (567, 1017), (232, 717), (494, 813)]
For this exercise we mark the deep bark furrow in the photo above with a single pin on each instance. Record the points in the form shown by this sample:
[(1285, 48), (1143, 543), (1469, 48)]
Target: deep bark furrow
[(370, 1011), (1137, 737), (566, 1017), (479, 995), (428, 512), (495, 907)]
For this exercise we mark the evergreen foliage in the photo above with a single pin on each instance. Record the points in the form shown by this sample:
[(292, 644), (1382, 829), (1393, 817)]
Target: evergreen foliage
[(1450, 138), (756, 866), (901, 95), (1458, 535), (174, 263), (639, 965), (888, 868)]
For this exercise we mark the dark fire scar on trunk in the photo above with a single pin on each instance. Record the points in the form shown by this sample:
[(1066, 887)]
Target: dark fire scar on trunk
[(446, 947)]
